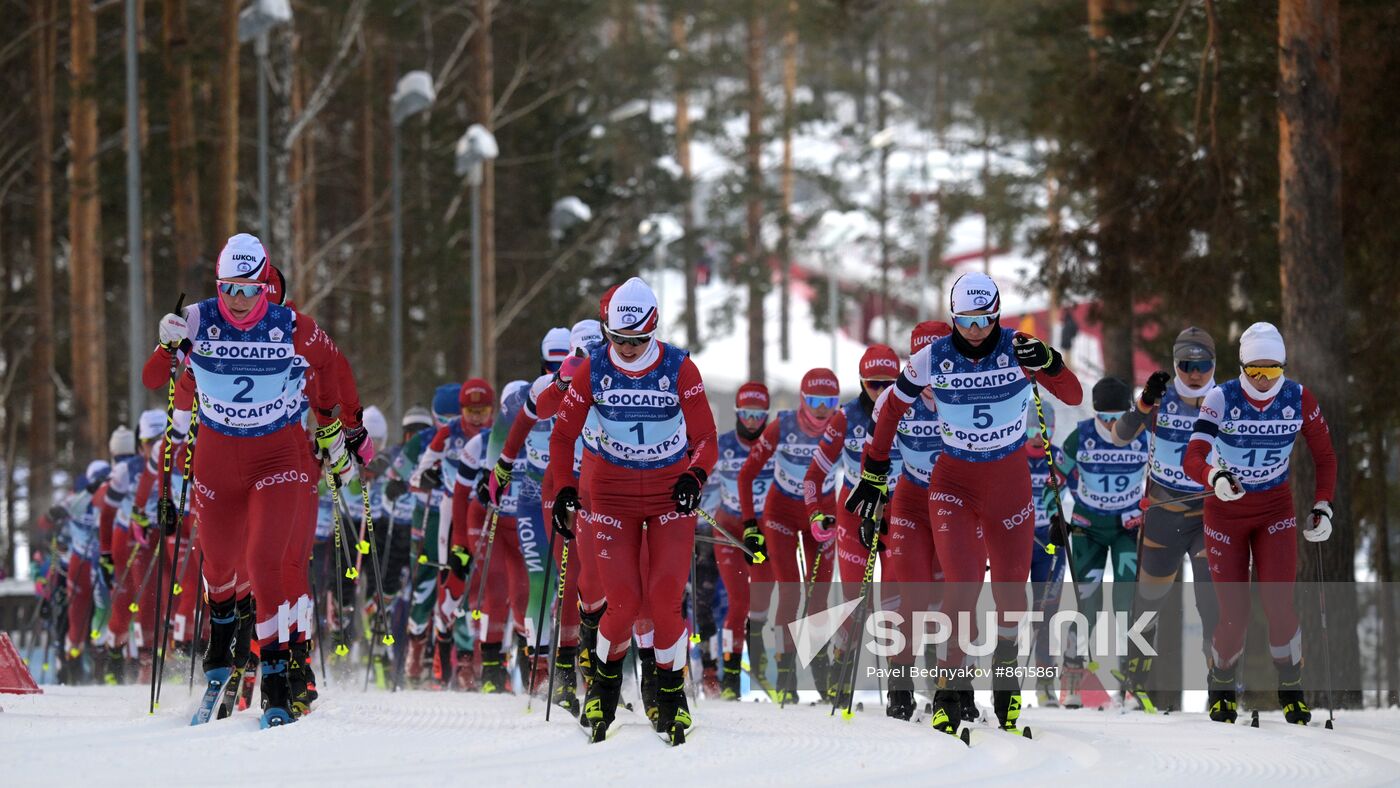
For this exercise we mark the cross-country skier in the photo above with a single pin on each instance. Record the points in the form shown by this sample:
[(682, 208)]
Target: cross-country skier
[(843, 440), (908, 555), (751, 404), (789, 441), (77, 517), (1106, 482), (1167, 410), (656, 448), (1252, 423), (250, 464), (980, 490)]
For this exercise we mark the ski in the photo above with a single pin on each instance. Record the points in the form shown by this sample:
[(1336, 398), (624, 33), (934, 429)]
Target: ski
[(228, 697), (676, 736), (218, 680)]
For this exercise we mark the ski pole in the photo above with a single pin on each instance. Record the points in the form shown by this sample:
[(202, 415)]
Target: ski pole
[(341, 573), (866, 579), (198, 622), (416, 558), (558, 616), (807, 605), (704, 515), (694, 639), (485, 565), (387, 637), (166, 505), (1193, 497), (1326, 644), (177, 565), (539, 623)]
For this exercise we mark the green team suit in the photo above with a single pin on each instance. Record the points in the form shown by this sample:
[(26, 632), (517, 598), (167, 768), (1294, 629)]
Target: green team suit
[(1106, 484)]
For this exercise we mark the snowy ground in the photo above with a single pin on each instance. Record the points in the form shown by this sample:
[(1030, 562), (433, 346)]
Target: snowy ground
[(103, 736)]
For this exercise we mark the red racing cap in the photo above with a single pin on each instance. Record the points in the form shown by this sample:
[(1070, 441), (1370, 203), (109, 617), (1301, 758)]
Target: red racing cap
[(821, 382), (924, 333), (880, 362), (476, 393), (752, 395)]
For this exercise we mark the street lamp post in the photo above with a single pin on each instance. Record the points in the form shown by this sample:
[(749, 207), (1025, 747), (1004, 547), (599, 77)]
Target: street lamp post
[(254, 24), (413, 94), (476, 147), (136, 304)]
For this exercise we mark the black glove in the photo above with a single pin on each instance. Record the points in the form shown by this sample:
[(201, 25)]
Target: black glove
[(868, 529), (458, 562), (1154, 388), (58, 515), (395, 489), (565, 504), (483, 489), (867, 500), (1031, 353), (755, 542), (106, 567), (686, 492), (355, 437), (1059, 530), (431, 477)]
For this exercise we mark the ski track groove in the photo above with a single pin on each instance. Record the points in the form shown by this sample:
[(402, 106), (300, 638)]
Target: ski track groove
[(431, 738)]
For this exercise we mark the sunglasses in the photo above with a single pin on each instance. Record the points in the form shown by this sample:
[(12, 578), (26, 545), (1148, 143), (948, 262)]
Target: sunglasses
[(815, 401), (1271, 372), (248, 289), (1110, 416), (477, 412), (976, 321), (1197, 365), (879, 384), (629, 339), (752, 414)]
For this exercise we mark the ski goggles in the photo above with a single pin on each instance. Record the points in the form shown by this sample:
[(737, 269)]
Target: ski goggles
[(1271, 372), (1195, 365), (631, 340), (477, 413), (976, 321), (877, 384), (752, 414), (1110, 416), (247, 289), (816, 401)]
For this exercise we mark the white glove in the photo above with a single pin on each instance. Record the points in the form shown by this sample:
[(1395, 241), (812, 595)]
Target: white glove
[(1226, 486), (1321, 523), (173, 329)]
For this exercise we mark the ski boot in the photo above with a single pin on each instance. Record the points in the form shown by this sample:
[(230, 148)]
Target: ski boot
[(115, 673), (947, 709), (821, 671), (218, 661), (1006, 685), (730, 681), (646, 661), (1222, 701), (301, 679), (673, 720), (787, 678), (442, 663), (900, 700), (709, 678), (565, 694), (276, 689), (968, 700), (1045, 693), (600, 706), (588, 640), (1290, 693), (1073, 676), (1132, 676), (413, 661), (464, 679), (834, 688), (493, 668)]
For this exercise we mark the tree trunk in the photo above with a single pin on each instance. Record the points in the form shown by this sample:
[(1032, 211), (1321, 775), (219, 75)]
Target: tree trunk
[(1313, 286), (785, 217), (1389, 642), (42, 439), (485, 96), (1115, 274), (688, 247), (753, 246), (86, 309), (184, 169), (882, 118), (226, 186)]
